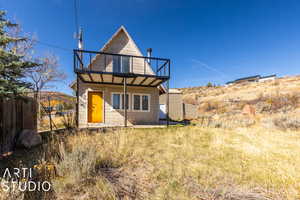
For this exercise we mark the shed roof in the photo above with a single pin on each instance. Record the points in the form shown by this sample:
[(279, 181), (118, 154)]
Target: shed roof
[(269, 76), (174, 91), (248, 77)]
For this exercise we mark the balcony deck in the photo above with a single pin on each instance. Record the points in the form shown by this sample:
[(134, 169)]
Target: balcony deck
[(97, 67)]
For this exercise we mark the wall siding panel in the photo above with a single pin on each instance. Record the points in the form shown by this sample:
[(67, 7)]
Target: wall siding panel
[(116, 117)]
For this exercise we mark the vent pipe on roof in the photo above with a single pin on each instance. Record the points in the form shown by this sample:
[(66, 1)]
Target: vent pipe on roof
[(149, 54)]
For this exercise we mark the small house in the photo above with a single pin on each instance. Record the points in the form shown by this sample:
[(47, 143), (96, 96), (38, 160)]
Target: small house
[(267, 78), (118, 85), (256, 78), (248, 79)]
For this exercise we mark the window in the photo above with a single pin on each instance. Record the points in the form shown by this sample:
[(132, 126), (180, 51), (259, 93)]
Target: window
[(141, 102), (121, 64), (118, 101), (116, 64), (136, 102), (125, 64), (145, 102)]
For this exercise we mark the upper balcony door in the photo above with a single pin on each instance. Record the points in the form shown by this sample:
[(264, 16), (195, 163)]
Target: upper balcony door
[(121, 64)]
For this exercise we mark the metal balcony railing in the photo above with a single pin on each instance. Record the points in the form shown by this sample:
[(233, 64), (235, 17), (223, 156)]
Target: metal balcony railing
[(120, 64)]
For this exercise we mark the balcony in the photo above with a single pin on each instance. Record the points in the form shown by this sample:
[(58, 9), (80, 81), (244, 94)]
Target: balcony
[(109, 68)]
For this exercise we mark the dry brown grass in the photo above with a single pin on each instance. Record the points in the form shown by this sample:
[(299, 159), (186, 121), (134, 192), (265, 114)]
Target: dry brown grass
[(12, 195), (58, 122), (181, 163), (226, 121)]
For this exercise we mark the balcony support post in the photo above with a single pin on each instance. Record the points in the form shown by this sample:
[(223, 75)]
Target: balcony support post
[(125, 102), (168, 119), (77, 101), (168, 88)]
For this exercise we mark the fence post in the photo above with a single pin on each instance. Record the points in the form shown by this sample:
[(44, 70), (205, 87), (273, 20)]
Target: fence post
[(50, 119)]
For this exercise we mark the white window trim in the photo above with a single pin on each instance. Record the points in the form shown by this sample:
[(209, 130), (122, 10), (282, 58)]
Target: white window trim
[(121, 101), (141, 102), (121, 64)]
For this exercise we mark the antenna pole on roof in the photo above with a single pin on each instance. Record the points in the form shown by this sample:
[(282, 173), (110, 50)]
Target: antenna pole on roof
[(80, 39), (80, 44)]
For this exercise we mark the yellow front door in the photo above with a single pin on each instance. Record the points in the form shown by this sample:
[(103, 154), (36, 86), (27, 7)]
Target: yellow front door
[(95, 107)]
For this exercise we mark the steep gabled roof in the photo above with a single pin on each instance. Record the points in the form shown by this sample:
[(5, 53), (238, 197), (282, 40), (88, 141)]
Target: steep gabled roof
[(114, 36)]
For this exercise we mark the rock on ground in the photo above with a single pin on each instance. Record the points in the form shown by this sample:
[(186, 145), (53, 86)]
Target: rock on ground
[(29, 138)]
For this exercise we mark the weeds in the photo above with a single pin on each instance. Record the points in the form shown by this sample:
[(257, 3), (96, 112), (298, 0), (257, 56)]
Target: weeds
[(225, 121), (283, 122), (68, 120)]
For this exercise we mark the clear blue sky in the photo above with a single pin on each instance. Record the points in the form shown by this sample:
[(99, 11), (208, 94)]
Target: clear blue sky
[(206, 40)]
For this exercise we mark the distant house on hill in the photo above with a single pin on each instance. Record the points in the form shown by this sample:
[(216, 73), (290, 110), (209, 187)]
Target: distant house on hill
[(256, 78), (267, 78)]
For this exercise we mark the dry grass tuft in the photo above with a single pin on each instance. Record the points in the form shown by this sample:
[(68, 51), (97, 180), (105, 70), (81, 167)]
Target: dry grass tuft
[(11, 195), (68, 120), (226, 121), (283, 121)]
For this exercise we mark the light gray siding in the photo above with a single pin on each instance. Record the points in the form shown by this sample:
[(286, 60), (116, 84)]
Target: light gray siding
[(116, 117)]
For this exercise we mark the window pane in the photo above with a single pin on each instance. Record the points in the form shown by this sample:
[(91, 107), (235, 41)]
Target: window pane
[(136, 102), (116, 64), (145, 102), (125, 64), (127, 101), (116, 101)]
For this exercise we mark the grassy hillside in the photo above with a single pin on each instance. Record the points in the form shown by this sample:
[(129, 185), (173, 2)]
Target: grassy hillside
[(273, 103), (57, 96), (244, 91)]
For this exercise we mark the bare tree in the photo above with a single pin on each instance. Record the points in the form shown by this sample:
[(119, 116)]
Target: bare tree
[(22, 47), (44, 75)]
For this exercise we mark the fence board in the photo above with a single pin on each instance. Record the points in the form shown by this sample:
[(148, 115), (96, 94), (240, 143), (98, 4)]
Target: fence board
[(15, 115)]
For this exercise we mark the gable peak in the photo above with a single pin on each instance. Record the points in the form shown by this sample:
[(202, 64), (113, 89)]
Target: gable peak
[(120, 29)]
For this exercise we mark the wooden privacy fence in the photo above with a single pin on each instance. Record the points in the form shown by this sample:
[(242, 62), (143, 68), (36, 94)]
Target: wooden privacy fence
[(190, 111), (15, 115)]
